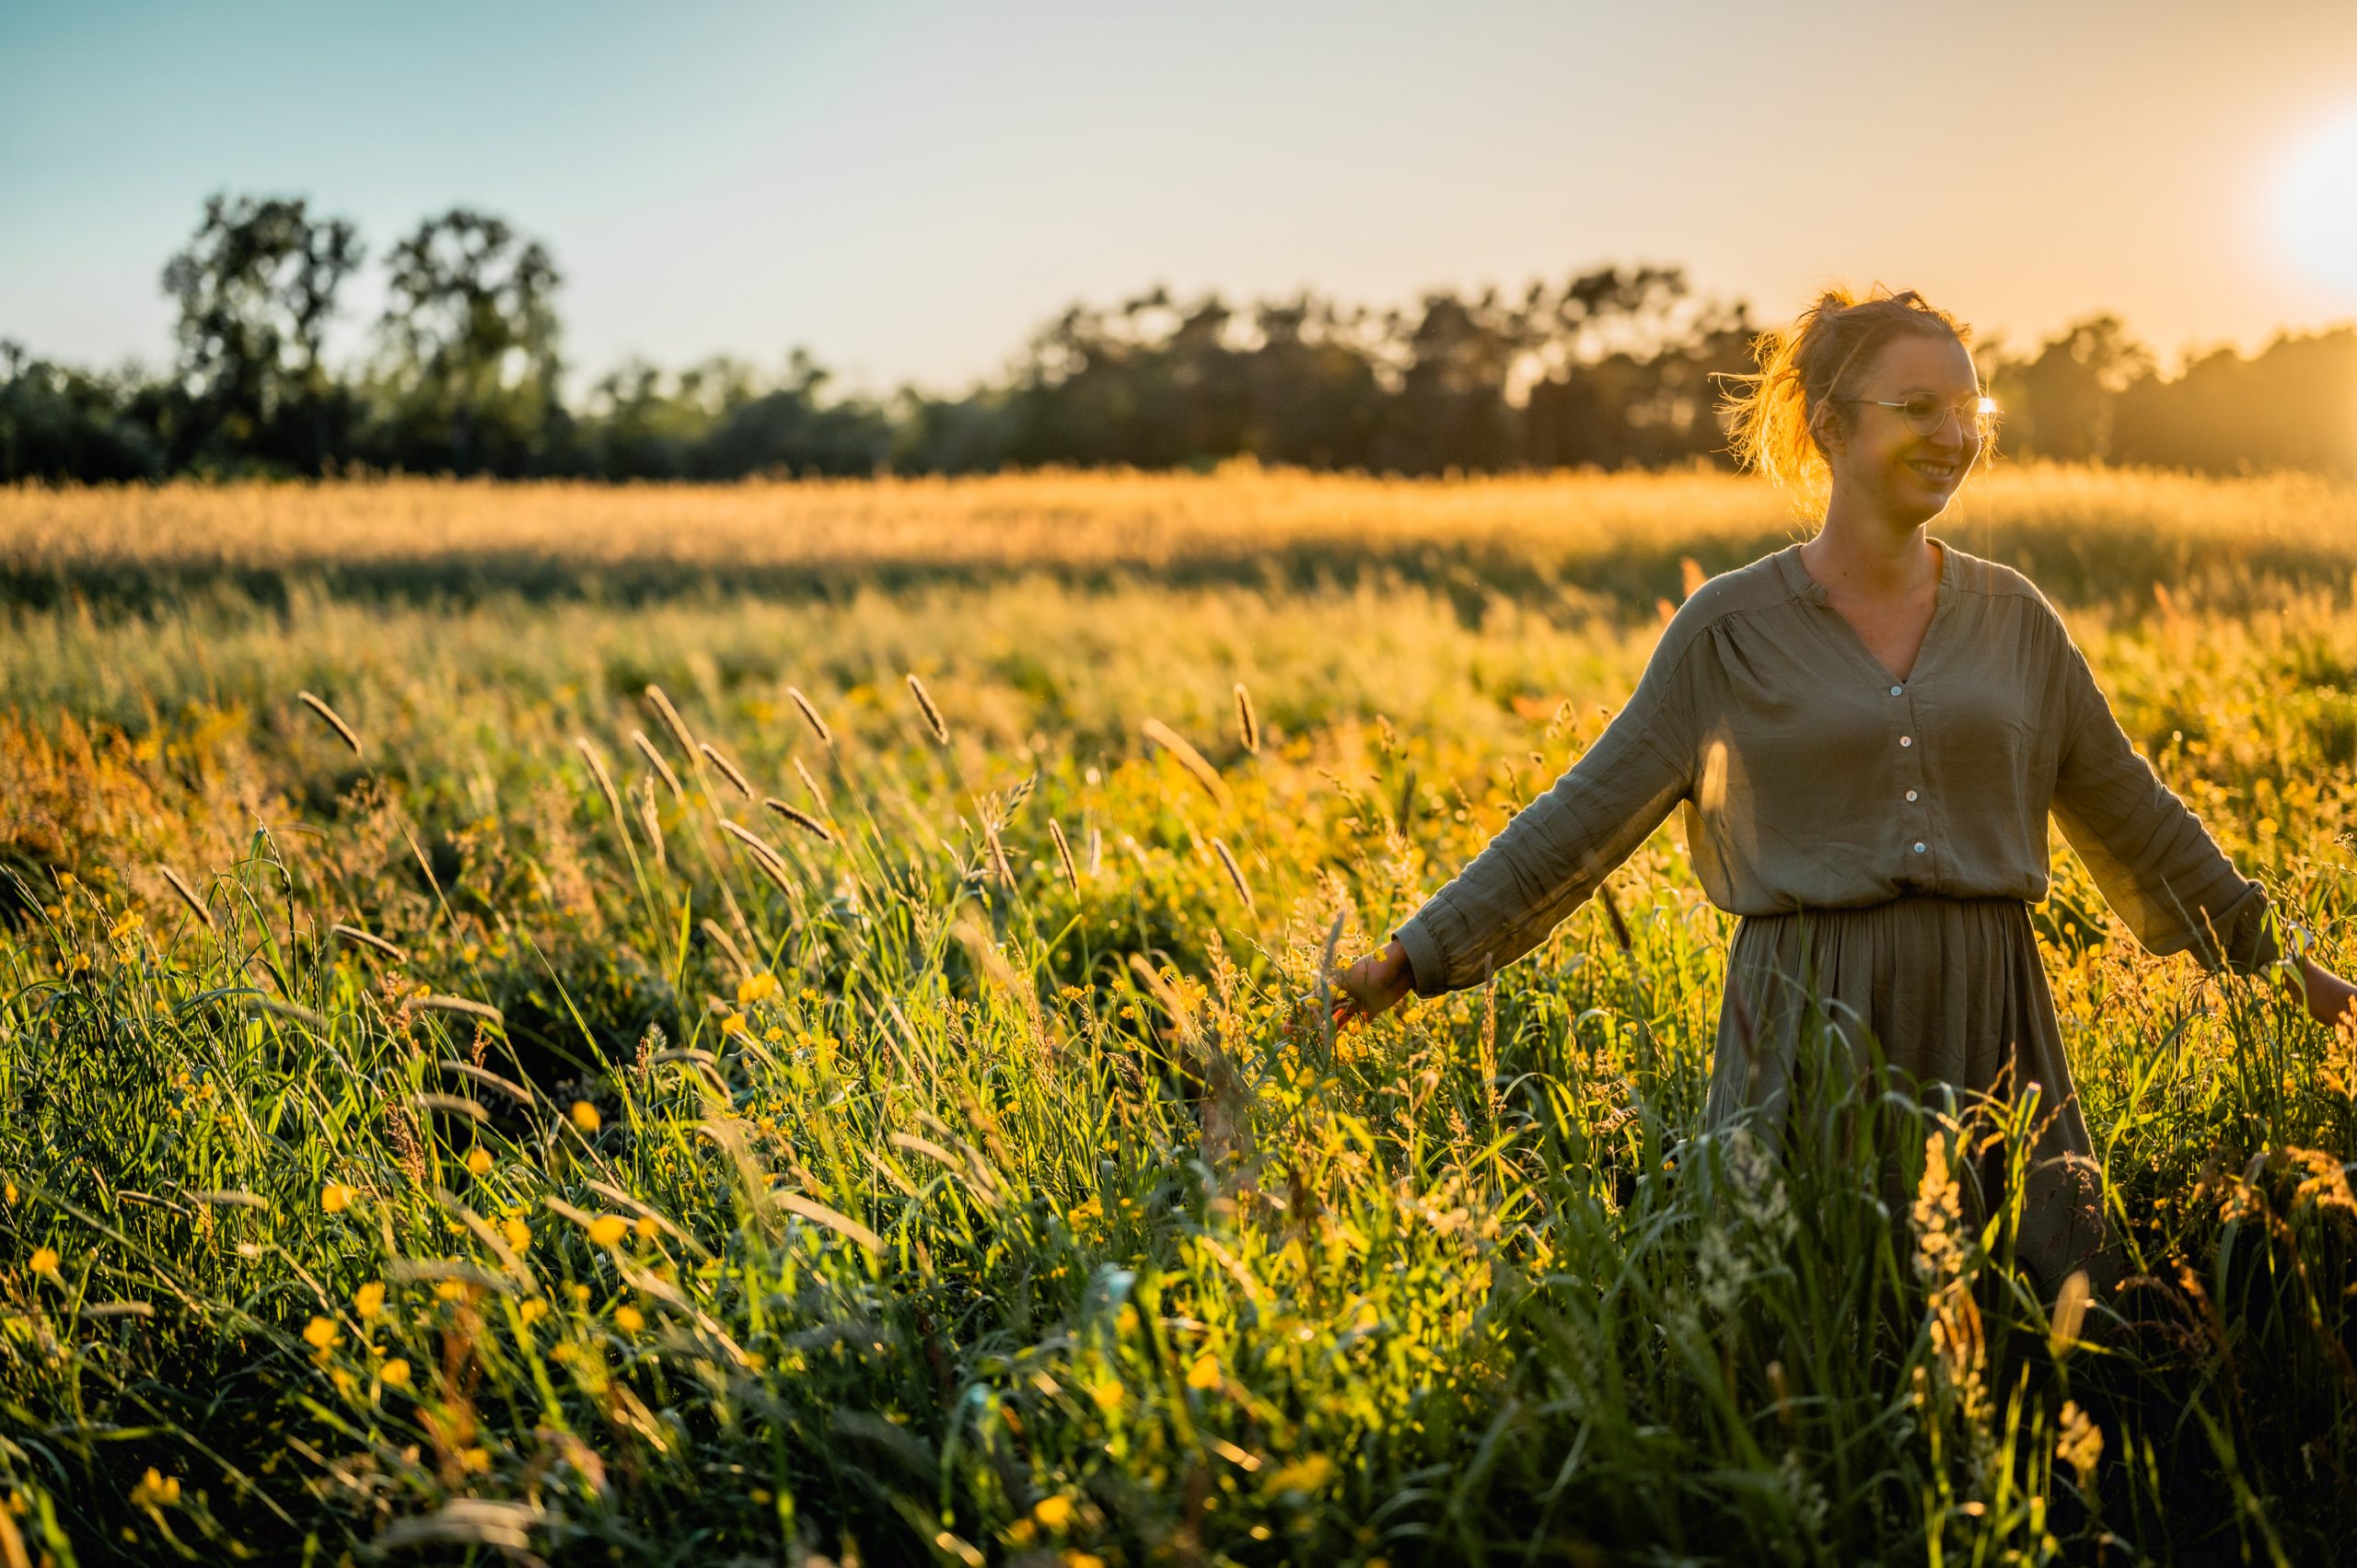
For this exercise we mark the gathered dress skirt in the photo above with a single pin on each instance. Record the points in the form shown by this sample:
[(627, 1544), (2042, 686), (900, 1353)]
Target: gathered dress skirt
[(1951, 992)]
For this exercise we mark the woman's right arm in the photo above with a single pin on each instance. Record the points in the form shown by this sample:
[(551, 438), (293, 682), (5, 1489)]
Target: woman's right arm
[(1545, 862)]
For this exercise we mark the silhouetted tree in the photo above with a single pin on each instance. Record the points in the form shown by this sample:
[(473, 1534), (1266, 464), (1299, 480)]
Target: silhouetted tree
[(2292, 405), (468, 374), (256, 289), (58, 424), (2060, 404)]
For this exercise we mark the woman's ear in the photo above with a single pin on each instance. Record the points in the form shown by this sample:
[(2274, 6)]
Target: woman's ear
[(1823, 429)]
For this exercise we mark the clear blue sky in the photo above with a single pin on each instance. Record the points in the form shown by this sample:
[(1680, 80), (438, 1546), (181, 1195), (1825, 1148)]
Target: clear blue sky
[(910, 190)]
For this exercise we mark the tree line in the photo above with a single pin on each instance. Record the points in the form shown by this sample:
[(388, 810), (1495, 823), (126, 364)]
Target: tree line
[(463, 373)]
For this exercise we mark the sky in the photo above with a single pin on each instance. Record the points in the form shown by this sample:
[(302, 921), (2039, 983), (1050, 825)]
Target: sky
[(911, 191)]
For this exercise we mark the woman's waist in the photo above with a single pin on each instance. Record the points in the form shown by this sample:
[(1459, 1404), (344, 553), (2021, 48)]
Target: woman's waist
[(1906, 909)]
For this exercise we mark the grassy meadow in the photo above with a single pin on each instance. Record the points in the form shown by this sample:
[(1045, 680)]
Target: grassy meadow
[(781, 1024)]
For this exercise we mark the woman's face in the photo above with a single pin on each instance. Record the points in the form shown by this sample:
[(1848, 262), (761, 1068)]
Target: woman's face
[(1881, 460)]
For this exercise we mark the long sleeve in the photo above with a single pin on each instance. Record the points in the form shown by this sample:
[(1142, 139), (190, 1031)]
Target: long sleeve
[(2155, 863), (1547, 861)]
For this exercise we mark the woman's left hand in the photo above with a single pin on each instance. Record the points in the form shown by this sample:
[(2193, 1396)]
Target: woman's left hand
[(2331, 1000)]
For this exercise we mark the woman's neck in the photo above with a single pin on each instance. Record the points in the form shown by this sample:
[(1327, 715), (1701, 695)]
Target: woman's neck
[(1871, 556)]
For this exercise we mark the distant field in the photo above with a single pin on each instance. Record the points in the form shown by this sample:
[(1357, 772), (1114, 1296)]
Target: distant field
[(921, 1151), (2086, 535)]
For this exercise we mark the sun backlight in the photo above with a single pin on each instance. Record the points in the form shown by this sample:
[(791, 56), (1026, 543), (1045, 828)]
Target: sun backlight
[(2317, 206)]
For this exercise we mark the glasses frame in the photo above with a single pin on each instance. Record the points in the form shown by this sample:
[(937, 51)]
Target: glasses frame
[(1984, 415)]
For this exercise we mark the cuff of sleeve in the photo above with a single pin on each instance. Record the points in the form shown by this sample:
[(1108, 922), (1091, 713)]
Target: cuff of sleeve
[(2246, 934), (1426, 966)]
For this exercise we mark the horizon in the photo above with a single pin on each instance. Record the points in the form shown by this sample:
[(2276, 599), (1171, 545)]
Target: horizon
[(1255, 173)]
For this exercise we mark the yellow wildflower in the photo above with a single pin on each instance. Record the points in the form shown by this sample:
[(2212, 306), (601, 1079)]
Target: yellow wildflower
[(320, 1333), (647, 1228), (1054, 1512), (45, 1262), (479, 1161), (757, 988), (394, 1374), (1303, 1475), (629, 1318), (156, 1490), (532, 1311), (9, 1191), (2080, 1444), (519, 1234), (585, 1117), (1074, 1558), (477, 1460), (1021, 1533), (734, 1024), (335, 1197), (607, 1229), (1204, 1374), (368, 1301)]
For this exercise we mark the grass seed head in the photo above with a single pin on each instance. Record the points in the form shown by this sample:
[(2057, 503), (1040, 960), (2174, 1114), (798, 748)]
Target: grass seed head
[(727, 770), (334, 720), (810, 716), (671, 720), (800, 819), (646, 749), (931, 715), (188, 896)]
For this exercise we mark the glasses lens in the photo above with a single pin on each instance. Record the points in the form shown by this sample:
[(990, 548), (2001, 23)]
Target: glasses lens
[(1926, 415), (1923, 412)]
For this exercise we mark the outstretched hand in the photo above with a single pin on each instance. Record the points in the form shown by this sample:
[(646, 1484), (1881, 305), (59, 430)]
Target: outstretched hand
[(1373, 986), (2331, 1000)]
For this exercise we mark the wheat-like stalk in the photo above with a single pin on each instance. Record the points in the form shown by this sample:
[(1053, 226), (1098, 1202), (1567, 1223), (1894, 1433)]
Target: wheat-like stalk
[(652, 821), (800, 819), (728, 770), (1612, 914), (646, 748), (1063, 853), (810, 716), (671, 717), (765, 855), (727, 943), (1171, 740), (358, 937), (334, 720), (1235, 872), (932, 713), (1248, 723), (441, 1004), (998, 856), (604, 779), (188, 895), (1096, 849), (810, 783)]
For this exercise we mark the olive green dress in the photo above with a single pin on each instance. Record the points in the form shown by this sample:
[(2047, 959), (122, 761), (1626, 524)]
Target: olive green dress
[(1882, 840)]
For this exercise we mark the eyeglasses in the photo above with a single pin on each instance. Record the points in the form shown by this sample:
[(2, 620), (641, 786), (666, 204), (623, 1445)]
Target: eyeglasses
[(1926, 415)]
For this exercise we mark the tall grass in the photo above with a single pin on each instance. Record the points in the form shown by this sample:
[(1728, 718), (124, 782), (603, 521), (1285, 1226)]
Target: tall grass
[(524, 1152)]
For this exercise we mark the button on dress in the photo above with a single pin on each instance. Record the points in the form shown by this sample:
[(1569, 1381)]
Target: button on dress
[(1881, 840)]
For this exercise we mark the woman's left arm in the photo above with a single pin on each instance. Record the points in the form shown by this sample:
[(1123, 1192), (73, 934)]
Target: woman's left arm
[(2156, 864)]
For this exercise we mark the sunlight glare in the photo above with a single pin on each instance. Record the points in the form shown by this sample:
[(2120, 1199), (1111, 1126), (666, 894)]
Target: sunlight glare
[(2316, 204)]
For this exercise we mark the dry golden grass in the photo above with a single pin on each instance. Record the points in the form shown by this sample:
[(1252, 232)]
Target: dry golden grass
[(1599, 532)]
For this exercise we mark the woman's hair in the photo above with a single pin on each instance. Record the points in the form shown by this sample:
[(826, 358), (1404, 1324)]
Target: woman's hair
[(1825, 354)]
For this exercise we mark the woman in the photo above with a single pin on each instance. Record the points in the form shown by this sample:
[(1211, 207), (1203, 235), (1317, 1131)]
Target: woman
[(1867, 732)]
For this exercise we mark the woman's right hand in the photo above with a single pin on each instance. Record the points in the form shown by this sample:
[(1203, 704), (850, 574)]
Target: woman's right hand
[(1373, 986)]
